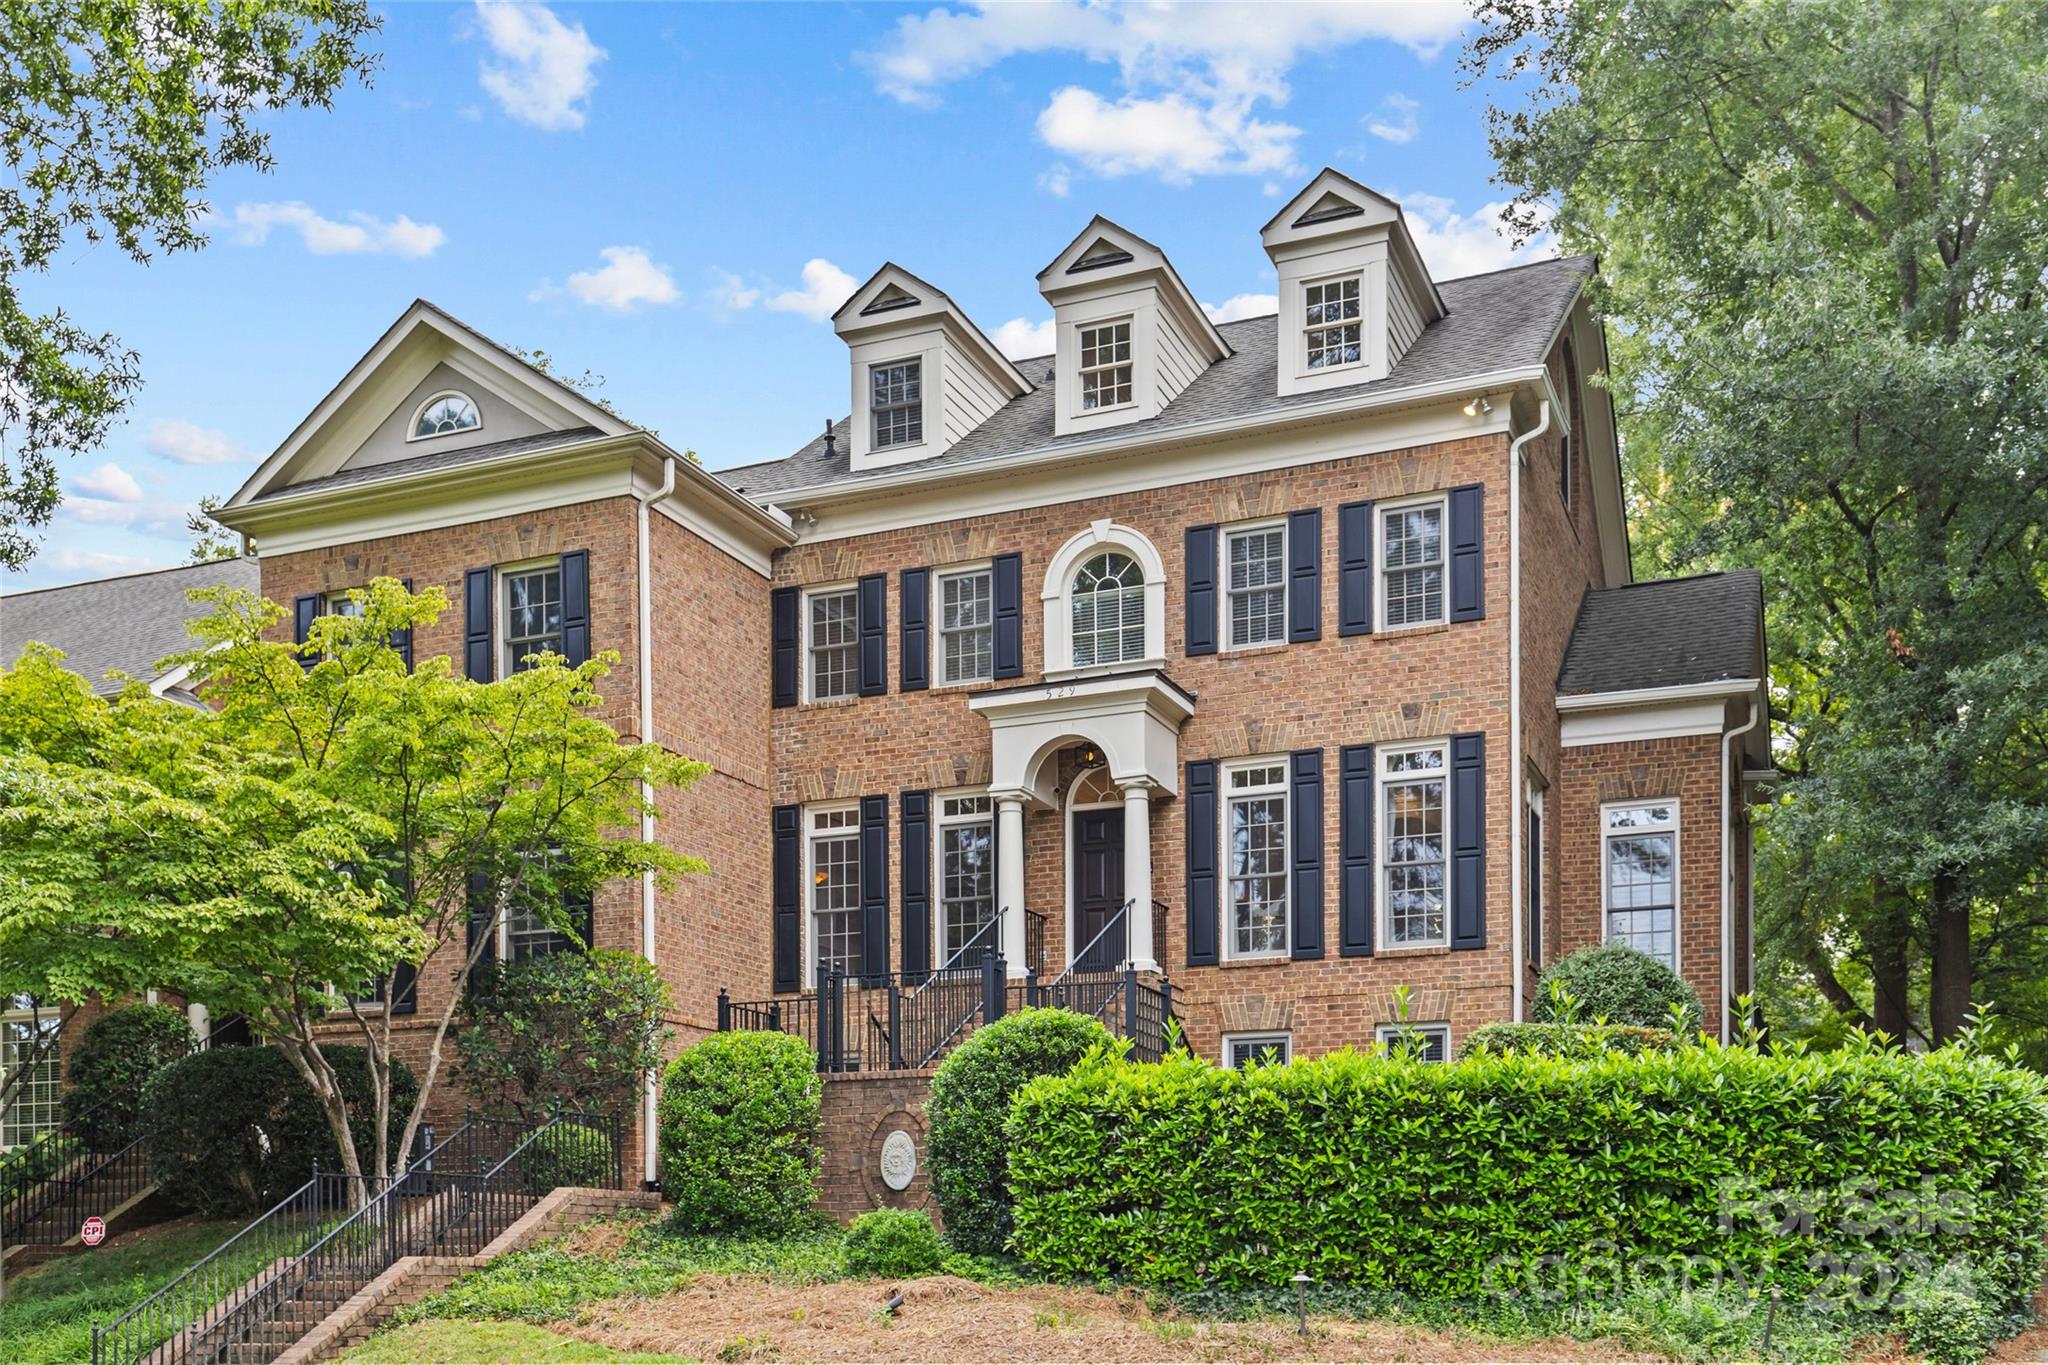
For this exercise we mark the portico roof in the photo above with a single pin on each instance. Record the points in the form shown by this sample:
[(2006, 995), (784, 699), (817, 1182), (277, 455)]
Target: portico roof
[(1134, 718)]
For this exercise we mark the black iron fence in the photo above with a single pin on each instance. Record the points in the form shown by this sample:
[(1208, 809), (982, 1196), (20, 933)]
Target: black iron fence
[(82, 1167)]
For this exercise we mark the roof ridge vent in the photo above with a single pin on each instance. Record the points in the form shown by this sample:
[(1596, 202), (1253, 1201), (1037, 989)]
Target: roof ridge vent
[(1328, 208), (889, 300), (1104, 253)]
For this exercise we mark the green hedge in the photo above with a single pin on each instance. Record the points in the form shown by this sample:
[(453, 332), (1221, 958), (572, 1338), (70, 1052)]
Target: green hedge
[(1616, 984), (739, 1127), (117, 1057), (1449, 1180), (1568, 1040)]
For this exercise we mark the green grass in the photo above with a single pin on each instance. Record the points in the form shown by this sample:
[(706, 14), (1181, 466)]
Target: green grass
[(49, 1313), (486, 1343)]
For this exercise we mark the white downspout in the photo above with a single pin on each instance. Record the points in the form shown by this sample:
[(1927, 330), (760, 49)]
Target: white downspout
[(1756, 713), (1517, 817), (646, 633)]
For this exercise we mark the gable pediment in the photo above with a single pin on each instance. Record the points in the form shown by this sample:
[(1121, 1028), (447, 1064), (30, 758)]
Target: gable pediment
[(1331, 204), (891, 297), (1329, 208)]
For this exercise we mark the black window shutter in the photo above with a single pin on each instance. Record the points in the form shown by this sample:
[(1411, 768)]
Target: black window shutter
[(478, 655), (305, 611), (1354, 568), (1355, 848), (401, 639), (405, 996), (913, 613), (1468, 586), (873, 604), (1009, 589), (782, 625), (576, 607), (1202, 897), (1468, 841), (483, 926), (1306, 815), (787, 953), (874, 887), (1305, 575), (1532, 888), (917, 885), (1201, 592)]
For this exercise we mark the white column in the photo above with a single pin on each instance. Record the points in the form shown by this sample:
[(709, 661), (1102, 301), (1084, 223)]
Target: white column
[(1010, 879), (1138, 872)]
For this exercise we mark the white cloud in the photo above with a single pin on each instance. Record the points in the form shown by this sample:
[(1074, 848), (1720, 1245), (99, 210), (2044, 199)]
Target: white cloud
[(155, 518), (1455, 244), (1395, 120), (1193, 74), (628, 278), (826, 286), (731, 294), (1022, 339), (1056, 181), (109, 481), (362, 234), (189, 443), (547, 68), (1238, 307), (102, 563)]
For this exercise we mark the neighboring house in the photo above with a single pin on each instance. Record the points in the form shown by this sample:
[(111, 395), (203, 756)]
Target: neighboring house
[(1309, 639), (123, 627)]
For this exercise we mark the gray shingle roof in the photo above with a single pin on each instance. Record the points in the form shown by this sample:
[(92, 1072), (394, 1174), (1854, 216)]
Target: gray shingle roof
[(444, 459), (1496, 321), (1667, 633), (117, 623)]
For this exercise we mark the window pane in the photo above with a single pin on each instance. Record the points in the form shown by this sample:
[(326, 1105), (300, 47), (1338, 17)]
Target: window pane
[(448, 413), (966, 627), (1415, 857), (1257, 856), (1412, 564), (1256, 587), (32, 1109), (1642, 891), (966, 886), (1330, 320), (835, 894), (896, 404), (533, 614), (1109, 611), (835, 645), (1105, 365)]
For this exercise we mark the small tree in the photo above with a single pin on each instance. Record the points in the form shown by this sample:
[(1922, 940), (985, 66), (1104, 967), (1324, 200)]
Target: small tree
[(564, 1031), (1615, 984)]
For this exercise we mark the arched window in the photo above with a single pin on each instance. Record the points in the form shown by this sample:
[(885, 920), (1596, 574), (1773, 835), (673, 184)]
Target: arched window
[(444, 414), (1109, 610)]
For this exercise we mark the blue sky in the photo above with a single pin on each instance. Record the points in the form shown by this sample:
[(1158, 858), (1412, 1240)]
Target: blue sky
[(675, 196)]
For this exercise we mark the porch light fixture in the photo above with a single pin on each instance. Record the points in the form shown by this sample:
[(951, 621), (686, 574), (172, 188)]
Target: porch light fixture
[(1089, 756), (1479, 405)]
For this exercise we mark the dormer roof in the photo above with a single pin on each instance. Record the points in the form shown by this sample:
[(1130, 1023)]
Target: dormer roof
[(1105, 251), (1334, 205), (893, 296)]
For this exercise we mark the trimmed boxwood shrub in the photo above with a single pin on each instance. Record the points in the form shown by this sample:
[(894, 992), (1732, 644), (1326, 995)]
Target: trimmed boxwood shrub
[(971, 1093), (232, 1130), (1494, 1173), (893, 1242), (739, 1133), (1616, 984), (573, 1154), (1569, 1040), (116, 1058)]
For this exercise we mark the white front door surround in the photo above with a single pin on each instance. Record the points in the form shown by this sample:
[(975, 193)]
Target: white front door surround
[(1135, 720)]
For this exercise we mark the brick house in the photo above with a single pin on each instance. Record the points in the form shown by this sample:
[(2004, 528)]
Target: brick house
[(1290, 661)]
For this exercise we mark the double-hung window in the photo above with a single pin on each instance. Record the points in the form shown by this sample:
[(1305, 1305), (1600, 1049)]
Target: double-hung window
[(1330, 323), (832, 630), (1640, 877), (1255, 857), (967, 875), (1241, 1050), (1109, 610), (532, 596), (1106, 365), (967, 633), (1255, 585), (28, 1046), (834, 859), (1425, 1042), (1414, 846), (896, 403), (1412, 564)]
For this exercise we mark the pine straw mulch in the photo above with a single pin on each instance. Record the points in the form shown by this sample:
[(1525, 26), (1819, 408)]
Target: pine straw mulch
[(944, 1319)]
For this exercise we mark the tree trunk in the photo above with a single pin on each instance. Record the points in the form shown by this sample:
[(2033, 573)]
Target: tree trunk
[(1887, 937), (1948, 997)]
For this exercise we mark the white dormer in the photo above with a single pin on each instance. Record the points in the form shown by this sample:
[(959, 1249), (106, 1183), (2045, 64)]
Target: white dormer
[(1354, 294), (923, 374), (1130, 336)]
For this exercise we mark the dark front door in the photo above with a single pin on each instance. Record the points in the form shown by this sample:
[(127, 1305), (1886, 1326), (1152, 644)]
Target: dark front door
[(1098, 887)]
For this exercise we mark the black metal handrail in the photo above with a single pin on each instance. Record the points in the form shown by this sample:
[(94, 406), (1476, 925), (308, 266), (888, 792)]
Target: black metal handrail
[(1087, 955), (965, 958)]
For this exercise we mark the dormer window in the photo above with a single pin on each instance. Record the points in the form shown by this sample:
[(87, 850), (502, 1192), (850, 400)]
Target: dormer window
[(1106, 365), (1109, 610), (897, 403), (1330, 323), (445, 414)]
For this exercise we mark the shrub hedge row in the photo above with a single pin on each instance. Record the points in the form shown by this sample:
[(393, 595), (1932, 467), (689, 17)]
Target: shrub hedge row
[(1459, 1179), (1568, 1040)]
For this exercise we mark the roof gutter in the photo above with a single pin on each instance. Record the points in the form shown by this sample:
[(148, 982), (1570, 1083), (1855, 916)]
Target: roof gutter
[(1734, 737), (646, 662), (848, 490), (1651, 696)]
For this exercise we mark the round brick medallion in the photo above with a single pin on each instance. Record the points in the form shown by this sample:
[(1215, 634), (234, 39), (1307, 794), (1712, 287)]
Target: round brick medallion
[(899, 1159)]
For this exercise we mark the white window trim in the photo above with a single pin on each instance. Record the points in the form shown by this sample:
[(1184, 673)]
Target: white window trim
[(935, 613), (1380, 513), (1389, 1035), (412, 427), (1286, 796), (12, 1014), (501, 607), (1081, 371), (1302, 327), (1677, 868), (1382, 871), (804, 643), (1057, 598), (807, 936), (916, 358), (1281, 1040), (1223, 592), (940, 822)]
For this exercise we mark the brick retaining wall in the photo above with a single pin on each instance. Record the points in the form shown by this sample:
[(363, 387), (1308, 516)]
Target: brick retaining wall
[(859, 1114)]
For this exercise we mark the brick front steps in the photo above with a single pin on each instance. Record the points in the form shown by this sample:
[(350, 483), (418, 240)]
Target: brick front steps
[(413, 1278)]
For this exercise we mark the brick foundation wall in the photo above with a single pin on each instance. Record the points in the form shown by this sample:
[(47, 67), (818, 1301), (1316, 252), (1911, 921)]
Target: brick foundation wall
[(858, 1114)]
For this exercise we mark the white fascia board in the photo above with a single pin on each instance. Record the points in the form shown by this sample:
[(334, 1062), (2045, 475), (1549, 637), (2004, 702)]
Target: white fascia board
[(1123, 441), (1653, 696)]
